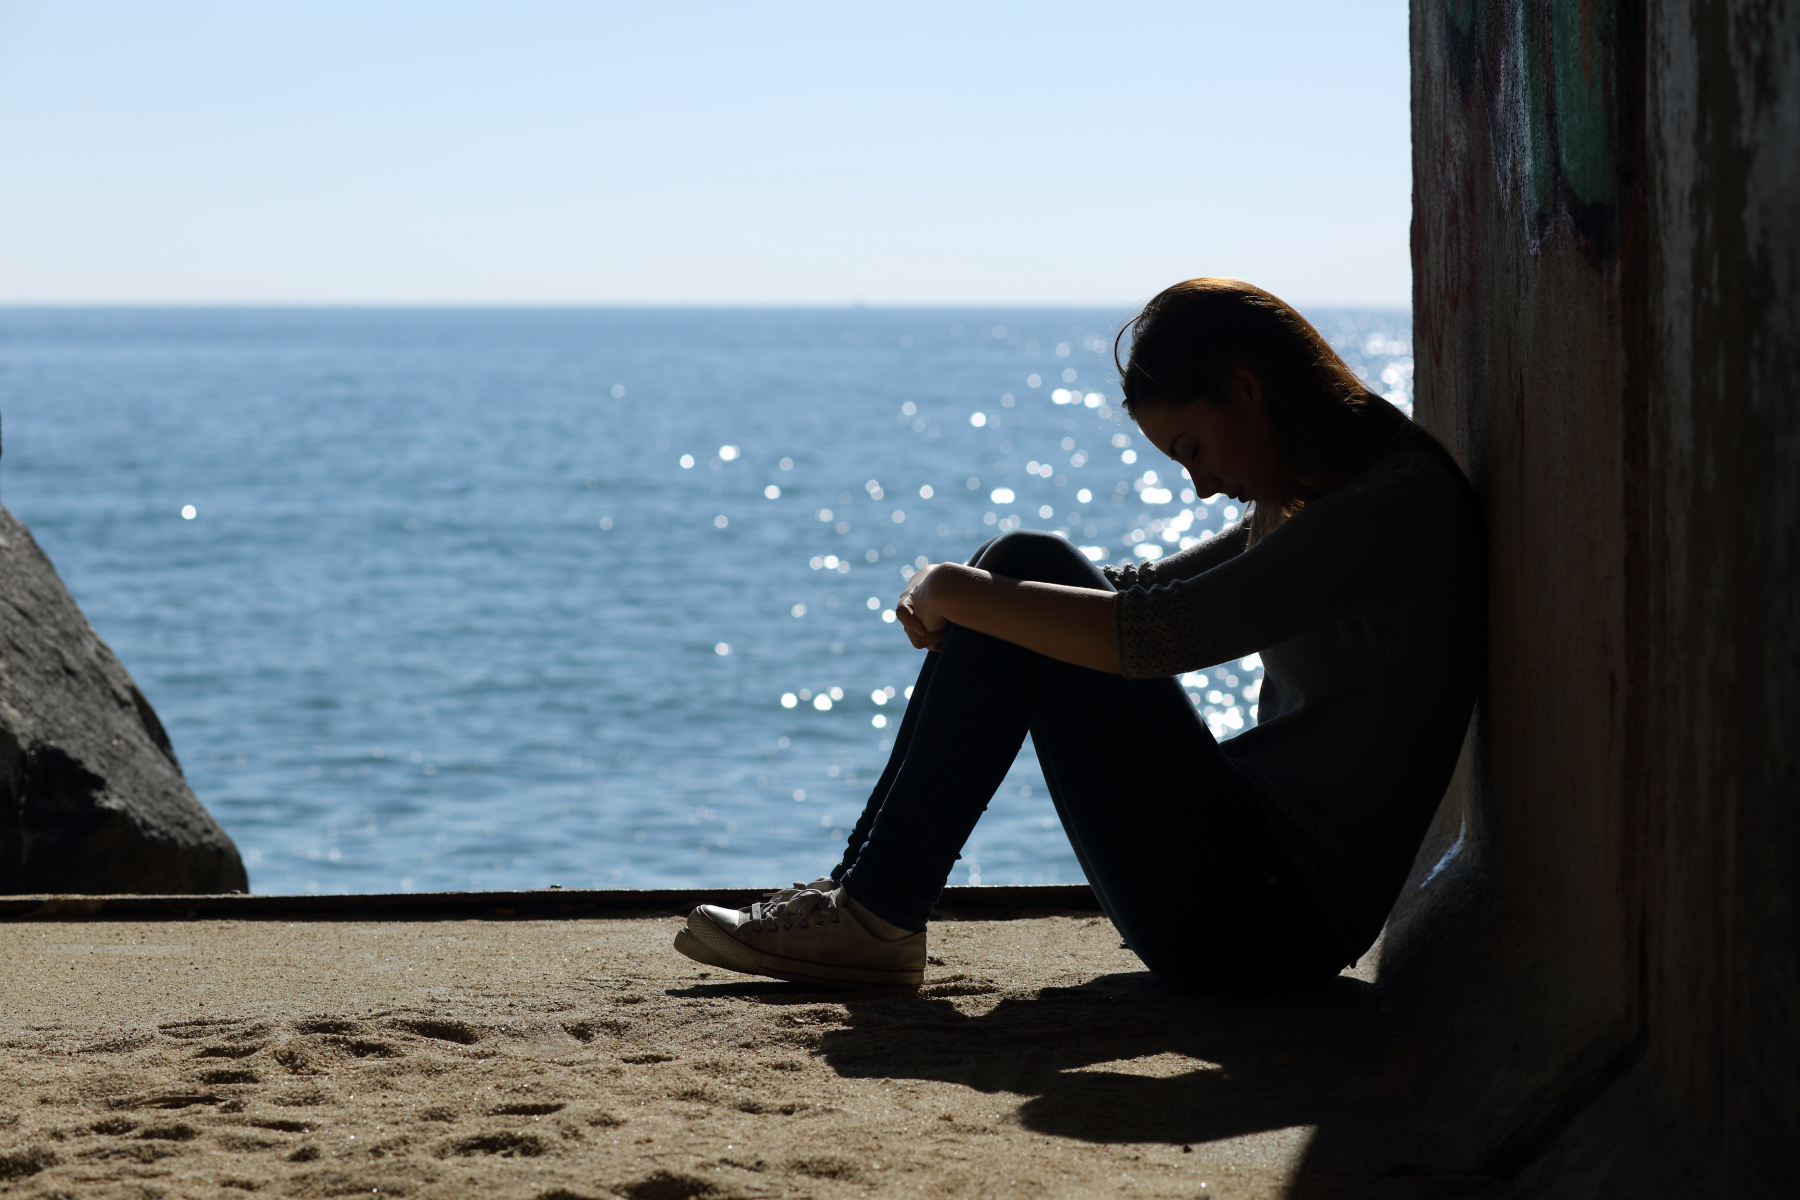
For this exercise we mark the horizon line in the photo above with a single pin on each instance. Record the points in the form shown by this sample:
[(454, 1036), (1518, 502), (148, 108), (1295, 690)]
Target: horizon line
[(587, 305)]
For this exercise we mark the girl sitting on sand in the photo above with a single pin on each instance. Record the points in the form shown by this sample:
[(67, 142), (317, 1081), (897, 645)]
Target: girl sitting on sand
[(1274, 857)]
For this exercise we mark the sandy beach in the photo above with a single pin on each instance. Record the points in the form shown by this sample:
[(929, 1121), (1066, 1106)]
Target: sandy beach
[(558, 1059)]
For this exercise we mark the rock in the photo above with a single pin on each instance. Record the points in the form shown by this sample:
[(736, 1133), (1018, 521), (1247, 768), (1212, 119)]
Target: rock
[(92, 798)]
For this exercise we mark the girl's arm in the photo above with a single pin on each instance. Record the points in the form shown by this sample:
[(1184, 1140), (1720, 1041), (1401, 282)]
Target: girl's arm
[(1362, 548), (1183, 564), (1074, 625)]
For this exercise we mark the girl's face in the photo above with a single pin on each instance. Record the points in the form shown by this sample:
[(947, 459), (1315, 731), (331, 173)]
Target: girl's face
[(1228, 448)]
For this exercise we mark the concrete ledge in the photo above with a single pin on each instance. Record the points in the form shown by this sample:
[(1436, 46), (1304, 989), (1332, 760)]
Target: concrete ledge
[(957, 903)]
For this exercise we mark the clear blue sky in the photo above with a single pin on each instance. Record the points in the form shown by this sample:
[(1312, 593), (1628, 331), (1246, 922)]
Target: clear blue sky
[(549, 151)]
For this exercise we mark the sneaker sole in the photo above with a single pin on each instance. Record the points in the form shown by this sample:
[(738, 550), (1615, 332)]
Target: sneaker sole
[(686, 943), (726, 951)]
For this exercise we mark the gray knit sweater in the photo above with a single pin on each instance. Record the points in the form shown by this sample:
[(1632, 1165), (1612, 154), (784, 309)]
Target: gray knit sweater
[(1368, 608)]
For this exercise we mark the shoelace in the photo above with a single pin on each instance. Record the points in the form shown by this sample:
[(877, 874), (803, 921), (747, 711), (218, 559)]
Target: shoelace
[(801, 901), (823, 883)]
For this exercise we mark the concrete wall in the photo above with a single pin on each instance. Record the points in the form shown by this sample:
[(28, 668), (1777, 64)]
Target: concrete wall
[(1606, 244)]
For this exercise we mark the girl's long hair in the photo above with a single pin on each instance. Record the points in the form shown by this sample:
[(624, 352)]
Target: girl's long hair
[(1329, 425)]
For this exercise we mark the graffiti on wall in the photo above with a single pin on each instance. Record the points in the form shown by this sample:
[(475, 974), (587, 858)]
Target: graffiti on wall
[(1545, 71)]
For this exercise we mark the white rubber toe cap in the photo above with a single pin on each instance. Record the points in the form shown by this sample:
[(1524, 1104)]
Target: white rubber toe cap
[(725, 918)]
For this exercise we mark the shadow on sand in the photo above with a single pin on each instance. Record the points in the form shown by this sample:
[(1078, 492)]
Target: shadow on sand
[(1124, 1058)]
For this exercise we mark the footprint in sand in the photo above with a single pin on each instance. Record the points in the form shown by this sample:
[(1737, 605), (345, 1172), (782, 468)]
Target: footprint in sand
[(586, 1031), (439, 1030), (504, 1145), (22, 1164), (527, 1110), (660, 1185)]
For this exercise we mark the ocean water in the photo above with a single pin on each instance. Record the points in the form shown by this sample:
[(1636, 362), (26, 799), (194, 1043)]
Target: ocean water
[(445, 599)]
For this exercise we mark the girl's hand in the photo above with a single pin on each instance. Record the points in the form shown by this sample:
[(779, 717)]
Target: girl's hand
[(1070, 624), (924, 625)]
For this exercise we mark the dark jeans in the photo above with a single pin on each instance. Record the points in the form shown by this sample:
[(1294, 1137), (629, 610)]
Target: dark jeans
[(1169, 832)]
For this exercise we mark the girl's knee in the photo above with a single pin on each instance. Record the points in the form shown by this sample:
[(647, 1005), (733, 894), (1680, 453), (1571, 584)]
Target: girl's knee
[(1036, 555)]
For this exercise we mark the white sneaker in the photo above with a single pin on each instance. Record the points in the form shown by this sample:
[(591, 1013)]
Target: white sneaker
[(804, 934), (697, 950)]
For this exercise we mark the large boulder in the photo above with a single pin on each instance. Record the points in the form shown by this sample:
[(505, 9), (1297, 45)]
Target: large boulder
[(92, 798)]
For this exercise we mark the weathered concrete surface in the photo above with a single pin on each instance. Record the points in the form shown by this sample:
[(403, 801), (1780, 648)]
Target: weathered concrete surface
[(92, 798), (584, 1058), (1607, 333)]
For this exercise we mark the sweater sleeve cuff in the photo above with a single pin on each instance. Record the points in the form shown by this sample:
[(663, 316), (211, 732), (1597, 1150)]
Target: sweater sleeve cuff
[(1133, 636)]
